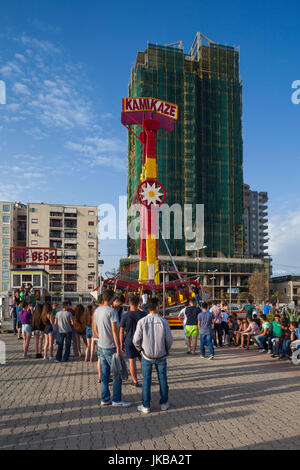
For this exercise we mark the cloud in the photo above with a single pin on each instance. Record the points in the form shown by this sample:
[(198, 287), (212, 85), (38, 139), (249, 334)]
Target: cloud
[(284, 230), (20, 88), (100, 151)]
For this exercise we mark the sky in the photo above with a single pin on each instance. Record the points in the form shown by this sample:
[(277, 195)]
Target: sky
[(66, 66)]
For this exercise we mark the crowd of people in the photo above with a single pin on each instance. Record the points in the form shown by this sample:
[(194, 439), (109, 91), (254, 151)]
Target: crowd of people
[(107, 329), (141, 334), (272, 331)]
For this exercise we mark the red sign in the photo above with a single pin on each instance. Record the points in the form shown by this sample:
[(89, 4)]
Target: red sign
[(33, 256), (153, 105)]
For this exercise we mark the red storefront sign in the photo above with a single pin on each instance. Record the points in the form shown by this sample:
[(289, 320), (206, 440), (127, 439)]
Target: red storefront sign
[(33, 256)]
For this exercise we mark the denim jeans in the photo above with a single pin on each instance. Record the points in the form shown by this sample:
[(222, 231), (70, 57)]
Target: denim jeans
[(203, 339), (276, 347), (15, 325), (261, 341), (286, 348), (106, 355), (161, 369), (61, 337), (219, 332)]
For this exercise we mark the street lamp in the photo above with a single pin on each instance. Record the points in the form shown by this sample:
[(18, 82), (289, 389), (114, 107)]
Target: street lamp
[(213, 279), (197, 257)]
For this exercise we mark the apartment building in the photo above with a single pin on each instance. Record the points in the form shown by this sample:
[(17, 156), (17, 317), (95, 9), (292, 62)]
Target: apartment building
[(73, 230), (12, 233), (255, 222)]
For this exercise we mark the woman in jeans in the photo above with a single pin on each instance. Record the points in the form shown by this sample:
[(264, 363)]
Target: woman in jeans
[(88, 320), (26, 320), (48, 320), (79, 323)]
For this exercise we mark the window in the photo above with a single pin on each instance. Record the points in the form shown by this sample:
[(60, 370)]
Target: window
[(5, 252), (16, 280), (91, 244), (90, 286), (36, 280), (5, 275), (5, 241), (6, 208), (91, 213), (33, 209), (5, 230), (5, 263), (34, 232), (6, 219), (5, 286), (91, 234), (34, 221), (91, 223), (34, 242), (91, 265)]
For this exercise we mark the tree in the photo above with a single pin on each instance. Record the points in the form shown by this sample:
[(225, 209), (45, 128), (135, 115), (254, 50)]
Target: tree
[(276, 295), (258, 286)]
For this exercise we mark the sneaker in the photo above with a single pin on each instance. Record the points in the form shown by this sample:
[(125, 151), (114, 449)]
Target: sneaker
[(262, 350), (211, 357), (164, 407), (143, 409), (121, 404), (56, 360), (52, 358), (269, 351), (274, 355), (202, 357), (105, 403), (135, 384), (45, 358), (26, 356)]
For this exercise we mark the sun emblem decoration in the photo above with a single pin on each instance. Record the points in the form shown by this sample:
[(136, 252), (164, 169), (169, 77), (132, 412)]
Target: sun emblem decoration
[(151, 193)]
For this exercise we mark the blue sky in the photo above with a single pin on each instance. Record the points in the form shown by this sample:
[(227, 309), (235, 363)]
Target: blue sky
[(66, 66)]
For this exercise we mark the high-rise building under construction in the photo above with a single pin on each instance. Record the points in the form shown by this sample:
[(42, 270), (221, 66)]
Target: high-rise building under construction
[(200, 162)]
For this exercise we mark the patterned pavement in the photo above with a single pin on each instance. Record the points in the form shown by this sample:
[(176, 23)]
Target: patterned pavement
[(240, 400)]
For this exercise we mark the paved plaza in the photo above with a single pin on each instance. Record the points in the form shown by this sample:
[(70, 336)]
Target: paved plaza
[(240, 400)]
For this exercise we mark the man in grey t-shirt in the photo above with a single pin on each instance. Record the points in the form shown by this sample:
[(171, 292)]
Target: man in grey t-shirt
[(105, 319), (64, 322)]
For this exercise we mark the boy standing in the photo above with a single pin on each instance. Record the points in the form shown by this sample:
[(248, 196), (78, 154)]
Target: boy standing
[(206, 325), (128, 326), (64, 322)]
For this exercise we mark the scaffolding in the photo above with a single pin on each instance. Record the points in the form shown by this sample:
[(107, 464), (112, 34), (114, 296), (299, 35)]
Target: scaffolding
[(200, 162)]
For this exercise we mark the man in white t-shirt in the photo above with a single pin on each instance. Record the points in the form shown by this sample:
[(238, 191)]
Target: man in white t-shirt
[(182, 314), (106, 322)]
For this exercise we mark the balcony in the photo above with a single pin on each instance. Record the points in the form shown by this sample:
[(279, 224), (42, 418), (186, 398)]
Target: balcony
[(70, 235), (55, 277), (56, 223), (70, 246), (55, 244), (70, 267), (70, 277), (55, 286), (55, 234), (70, 223), (55, 267), (70, 287)]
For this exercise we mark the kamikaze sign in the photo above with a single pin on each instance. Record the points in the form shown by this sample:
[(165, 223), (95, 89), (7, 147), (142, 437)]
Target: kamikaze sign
[(153, 105), (33, 256)]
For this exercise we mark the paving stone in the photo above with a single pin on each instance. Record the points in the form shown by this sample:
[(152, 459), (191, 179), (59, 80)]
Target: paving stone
[(241, 400)]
